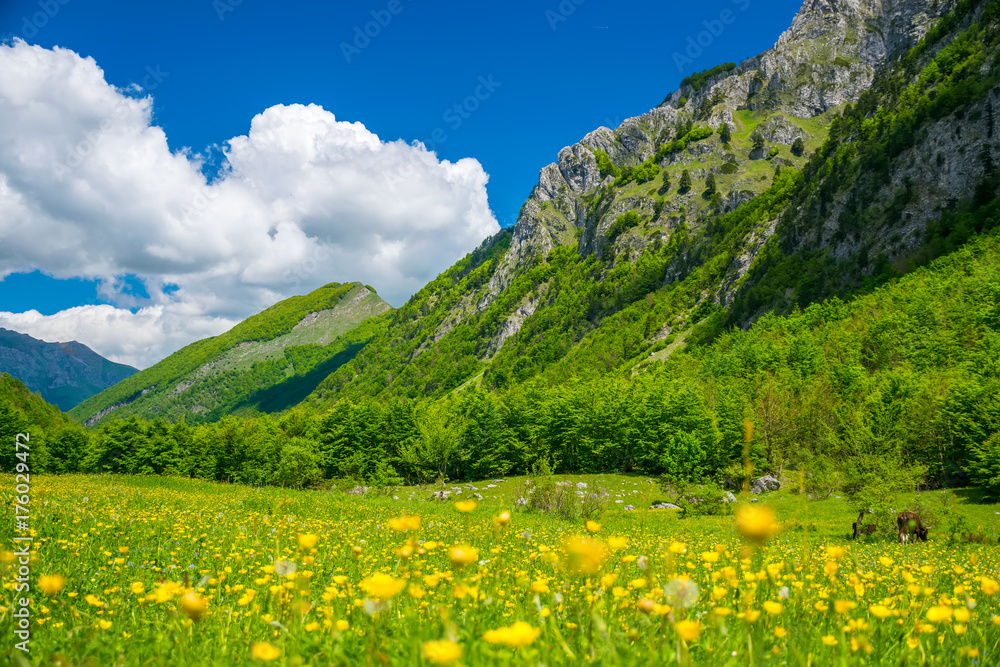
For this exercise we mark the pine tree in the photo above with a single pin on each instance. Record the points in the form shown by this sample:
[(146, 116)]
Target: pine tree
[(798, 147), (710, 186), (685, 185), (725, 134)]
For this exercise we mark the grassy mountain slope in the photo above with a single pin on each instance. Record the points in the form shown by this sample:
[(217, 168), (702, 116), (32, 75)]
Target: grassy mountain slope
[(63, 373), (616, 256), (268, 362)]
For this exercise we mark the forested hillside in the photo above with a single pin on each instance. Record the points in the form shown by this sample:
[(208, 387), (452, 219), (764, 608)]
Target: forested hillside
[(798, 252), (268, 362)]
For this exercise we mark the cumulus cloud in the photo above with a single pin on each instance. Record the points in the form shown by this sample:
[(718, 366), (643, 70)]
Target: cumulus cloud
[(89, 188)]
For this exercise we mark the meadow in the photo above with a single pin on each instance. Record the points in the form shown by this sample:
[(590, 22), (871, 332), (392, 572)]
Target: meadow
[(144, 570)]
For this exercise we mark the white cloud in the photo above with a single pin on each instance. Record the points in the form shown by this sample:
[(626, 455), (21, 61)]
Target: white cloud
[(89, 188)]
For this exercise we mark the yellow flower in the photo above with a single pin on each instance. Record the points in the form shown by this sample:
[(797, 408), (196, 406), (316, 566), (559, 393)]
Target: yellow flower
[(617, 543), (94, 600), (402, 524), (503, 519), (962, 614), (539, 587), (50, 584), (844, 606), (104, 625), (265, 651), (441, 651), (688, 630), (938, 613), (247, 598), (583, 555), (879, 611), (913, 642), (830, 640), (710, 556), (990, 586), (677, 548), (193, 605), (311, 627), (343, 625), (138, 587), (888, 562), (463, 555), (756, 522), (773, 608), (308, 540), (465, 505), (381, 586), (836, 553), (593, 526), (780, 632), (519, 634), (751, 615), (123, 550)]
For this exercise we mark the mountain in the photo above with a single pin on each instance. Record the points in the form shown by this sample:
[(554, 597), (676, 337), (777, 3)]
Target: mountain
[(268, 362), (63, 373), (856, 149)]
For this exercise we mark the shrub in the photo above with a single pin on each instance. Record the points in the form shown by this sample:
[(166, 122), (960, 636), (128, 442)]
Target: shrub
[(298, 466)]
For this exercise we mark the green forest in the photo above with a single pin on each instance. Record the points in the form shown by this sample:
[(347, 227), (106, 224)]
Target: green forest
[(851, 370)]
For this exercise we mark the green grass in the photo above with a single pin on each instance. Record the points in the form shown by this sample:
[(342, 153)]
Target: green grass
[(157, 571)]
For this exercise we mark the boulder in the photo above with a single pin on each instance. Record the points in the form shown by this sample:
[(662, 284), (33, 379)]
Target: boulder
[(764, 484), (664, 506)]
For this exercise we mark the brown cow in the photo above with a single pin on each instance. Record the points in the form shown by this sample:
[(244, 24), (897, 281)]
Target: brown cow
[(860, 530), (909, 524)]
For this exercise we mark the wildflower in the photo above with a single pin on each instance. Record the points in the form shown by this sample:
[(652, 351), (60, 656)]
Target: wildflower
[(773, 608), (465, 505), (94, 601), (830, 640), (844, 606), (402, 524), (879, 611), (503, 519), (710, 556), (677, 548), (990, 586), (265, 651), (381, 586), (441, 651), (583, 555), (50, 584), (343, 625), (780, 632), (938, 613), (104, 625), (308, 540), (682, 593), (888, 562), (517, 635), (463, 555), (688, 630), (283, 568), (593, 526), (617, 543), (193, 605), (756, 523)]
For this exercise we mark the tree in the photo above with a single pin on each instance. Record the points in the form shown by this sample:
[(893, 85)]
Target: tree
[(984, 469), (710, 186), (298, 466), (725, 134), (666, 183), (685, 185), (798, 147)]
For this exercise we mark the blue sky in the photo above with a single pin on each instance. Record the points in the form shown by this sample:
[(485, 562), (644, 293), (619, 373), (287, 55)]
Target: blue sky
[(555, 71)]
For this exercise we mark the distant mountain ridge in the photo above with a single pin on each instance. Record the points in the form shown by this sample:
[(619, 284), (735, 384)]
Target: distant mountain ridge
[(65, 374), (267, 362)]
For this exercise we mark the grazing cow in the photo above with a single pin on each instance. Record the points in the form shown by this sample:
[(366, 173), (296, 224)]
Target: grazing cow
[(909, 524), (860, 530)]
